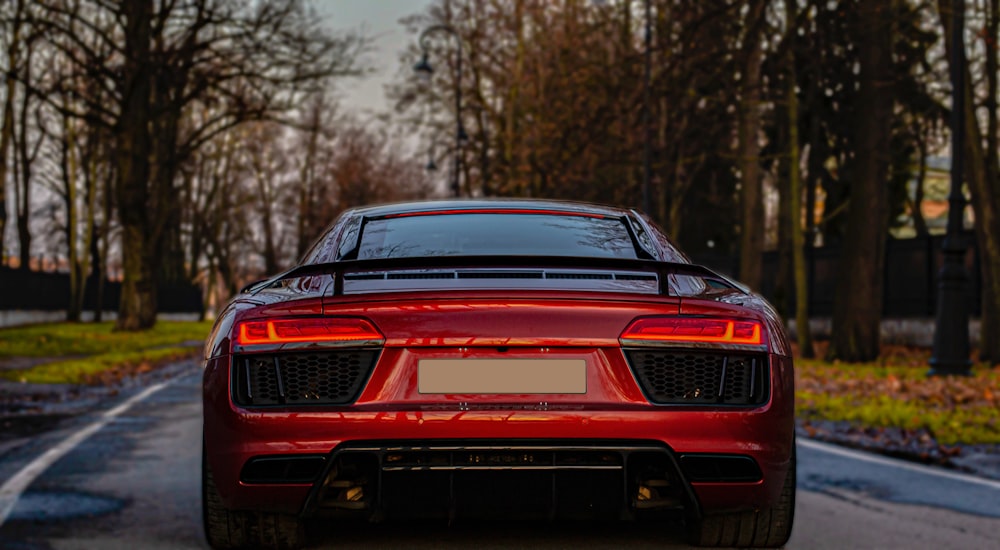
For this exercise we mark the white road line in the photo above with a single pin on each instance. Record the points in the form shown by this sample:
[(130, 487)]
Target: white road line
[(12, 489), (896, 463)]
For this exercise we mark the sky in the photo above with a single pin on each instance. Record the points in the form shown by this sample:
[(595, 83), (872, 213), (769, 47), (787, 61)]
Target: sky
[(379, 19)]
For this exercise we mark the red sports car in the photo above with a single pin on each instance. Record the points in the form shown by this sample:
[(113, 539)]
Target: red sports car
[(521, 359)]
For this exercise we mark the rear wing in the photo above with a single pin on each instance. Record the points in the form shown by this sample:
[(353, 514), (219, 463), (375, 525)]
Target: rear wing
[(346, 268)]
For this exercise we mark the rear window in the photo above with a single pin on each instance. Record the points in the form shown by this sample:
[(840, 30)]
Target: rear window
[(488, 234)]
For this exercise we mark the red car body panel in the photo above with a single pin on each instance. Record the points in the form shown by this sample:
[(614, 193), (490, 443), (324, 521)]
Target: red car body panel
[(505, 324)]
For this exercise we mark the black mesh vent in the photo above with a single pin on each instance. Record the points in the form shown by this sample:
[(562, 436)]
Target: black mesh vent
[(581, 276), (635, 277), (449, 275), (700, 377), (500, 275), (301, 378)]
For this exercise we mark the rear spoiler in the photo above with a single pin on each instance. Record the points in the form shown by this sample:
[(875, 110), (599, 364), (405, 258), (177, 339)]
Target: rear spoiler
[(339, 269)]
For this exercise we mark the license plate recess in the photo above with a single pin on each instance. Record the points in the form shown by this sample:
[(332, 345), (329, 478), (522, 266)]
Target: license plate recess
[(502, 376)]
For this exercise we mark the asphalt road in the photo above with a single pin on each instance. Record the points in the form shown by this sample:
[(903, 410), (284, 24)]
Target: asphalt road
[(127, 477)]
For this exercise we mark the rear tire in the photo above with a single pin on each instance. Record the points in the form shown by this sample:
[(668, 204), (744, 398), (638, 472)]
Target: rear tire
[(764, 528), (234, 529)]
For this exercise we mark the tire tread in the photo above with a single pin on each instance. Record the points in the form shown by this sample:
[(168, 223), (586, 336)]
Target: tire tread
[(762, 528), (235, 529)]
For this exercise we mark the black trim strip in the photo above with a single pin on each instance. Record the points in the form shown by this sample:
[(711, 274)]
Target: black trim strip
[(639, 250), (352, 254), (277, 378), (247, 371), (722, 378)]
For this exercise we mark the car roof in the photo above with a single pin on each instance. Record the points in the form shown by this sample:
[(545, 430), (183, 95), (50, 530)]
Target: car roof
[(487, 204)]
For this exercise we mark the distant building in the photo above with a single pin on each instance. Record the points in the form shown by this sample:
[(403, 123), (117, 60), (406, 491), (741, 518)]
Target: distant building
[(934, 206)]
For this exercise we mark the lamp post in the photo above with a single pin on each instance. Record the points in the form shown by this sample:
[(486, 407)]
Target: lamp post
[(647, 168), (951, 333), (425, 71)]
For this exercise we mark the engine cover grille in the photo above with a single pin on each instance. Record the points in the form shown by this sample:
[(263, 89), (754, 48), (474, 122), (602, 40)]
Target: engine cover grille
[(301, 378), (693, 377)]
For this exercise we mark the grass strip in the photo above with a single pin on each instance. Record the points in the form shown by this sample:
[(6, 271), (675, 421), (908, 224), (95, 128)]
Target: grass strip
[(93, 353), (901, 395), (76, 339), (103, 368)]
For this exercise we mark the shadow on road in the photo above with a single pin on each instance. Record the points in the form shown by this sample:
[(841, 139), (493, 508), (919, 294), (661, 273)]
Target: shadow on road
[(498, 534)]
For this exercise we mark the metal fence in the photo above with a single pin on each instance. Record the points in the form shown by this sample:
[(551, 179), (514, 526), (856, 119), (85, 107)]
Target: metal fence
[(911, 270), (40, 291)]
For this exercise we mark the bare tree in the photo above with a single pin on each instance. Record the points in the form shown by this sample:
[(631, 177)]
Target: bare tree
[(315, 135), (247, 61), (751, 183), (793, 202)]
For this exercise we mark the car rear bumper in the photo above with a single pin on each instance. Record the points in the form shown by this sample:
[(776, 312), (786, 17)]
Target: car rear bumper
[(237, 436)]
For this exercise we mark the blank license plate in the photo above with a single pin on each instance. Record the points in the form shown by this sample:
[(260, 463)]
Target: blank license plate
[(502, 376)]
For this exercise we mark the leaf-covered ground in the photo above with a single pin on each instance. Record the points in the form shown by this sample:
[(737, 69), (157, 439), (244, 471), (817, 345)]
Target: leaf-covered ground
[(895, 399)]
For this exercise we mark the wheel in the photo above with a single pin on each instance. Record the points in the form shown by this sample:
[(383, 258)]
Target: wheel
[(233, 529), (763, 528)]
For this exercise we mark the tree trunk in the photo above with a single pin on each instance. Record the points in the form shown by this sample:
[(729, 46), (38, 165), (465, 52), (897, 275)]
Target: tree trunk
[(919, 223), (307, 229), (69, 173), (513, 184), (6, 137), (164, 206), (986, 201), (137, 310), (270, 249), (165, 211), (7, 126), (794, 201), (751, 192), (858, 301), (784, 289), (96, 279), (90, 174), (817, 152), (23, 209), (210, 292), (101, 254)]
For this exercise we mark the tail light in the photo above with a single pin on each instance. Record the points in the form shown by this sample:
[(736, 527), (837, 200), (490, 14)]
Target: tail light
[(695, 331), (319, 330)]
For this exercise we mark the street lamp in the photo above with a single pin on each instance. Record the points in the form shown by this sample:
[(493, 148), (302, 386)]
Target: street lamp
[(951, 333), (425, 71), (431, 165), (647, 169)]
